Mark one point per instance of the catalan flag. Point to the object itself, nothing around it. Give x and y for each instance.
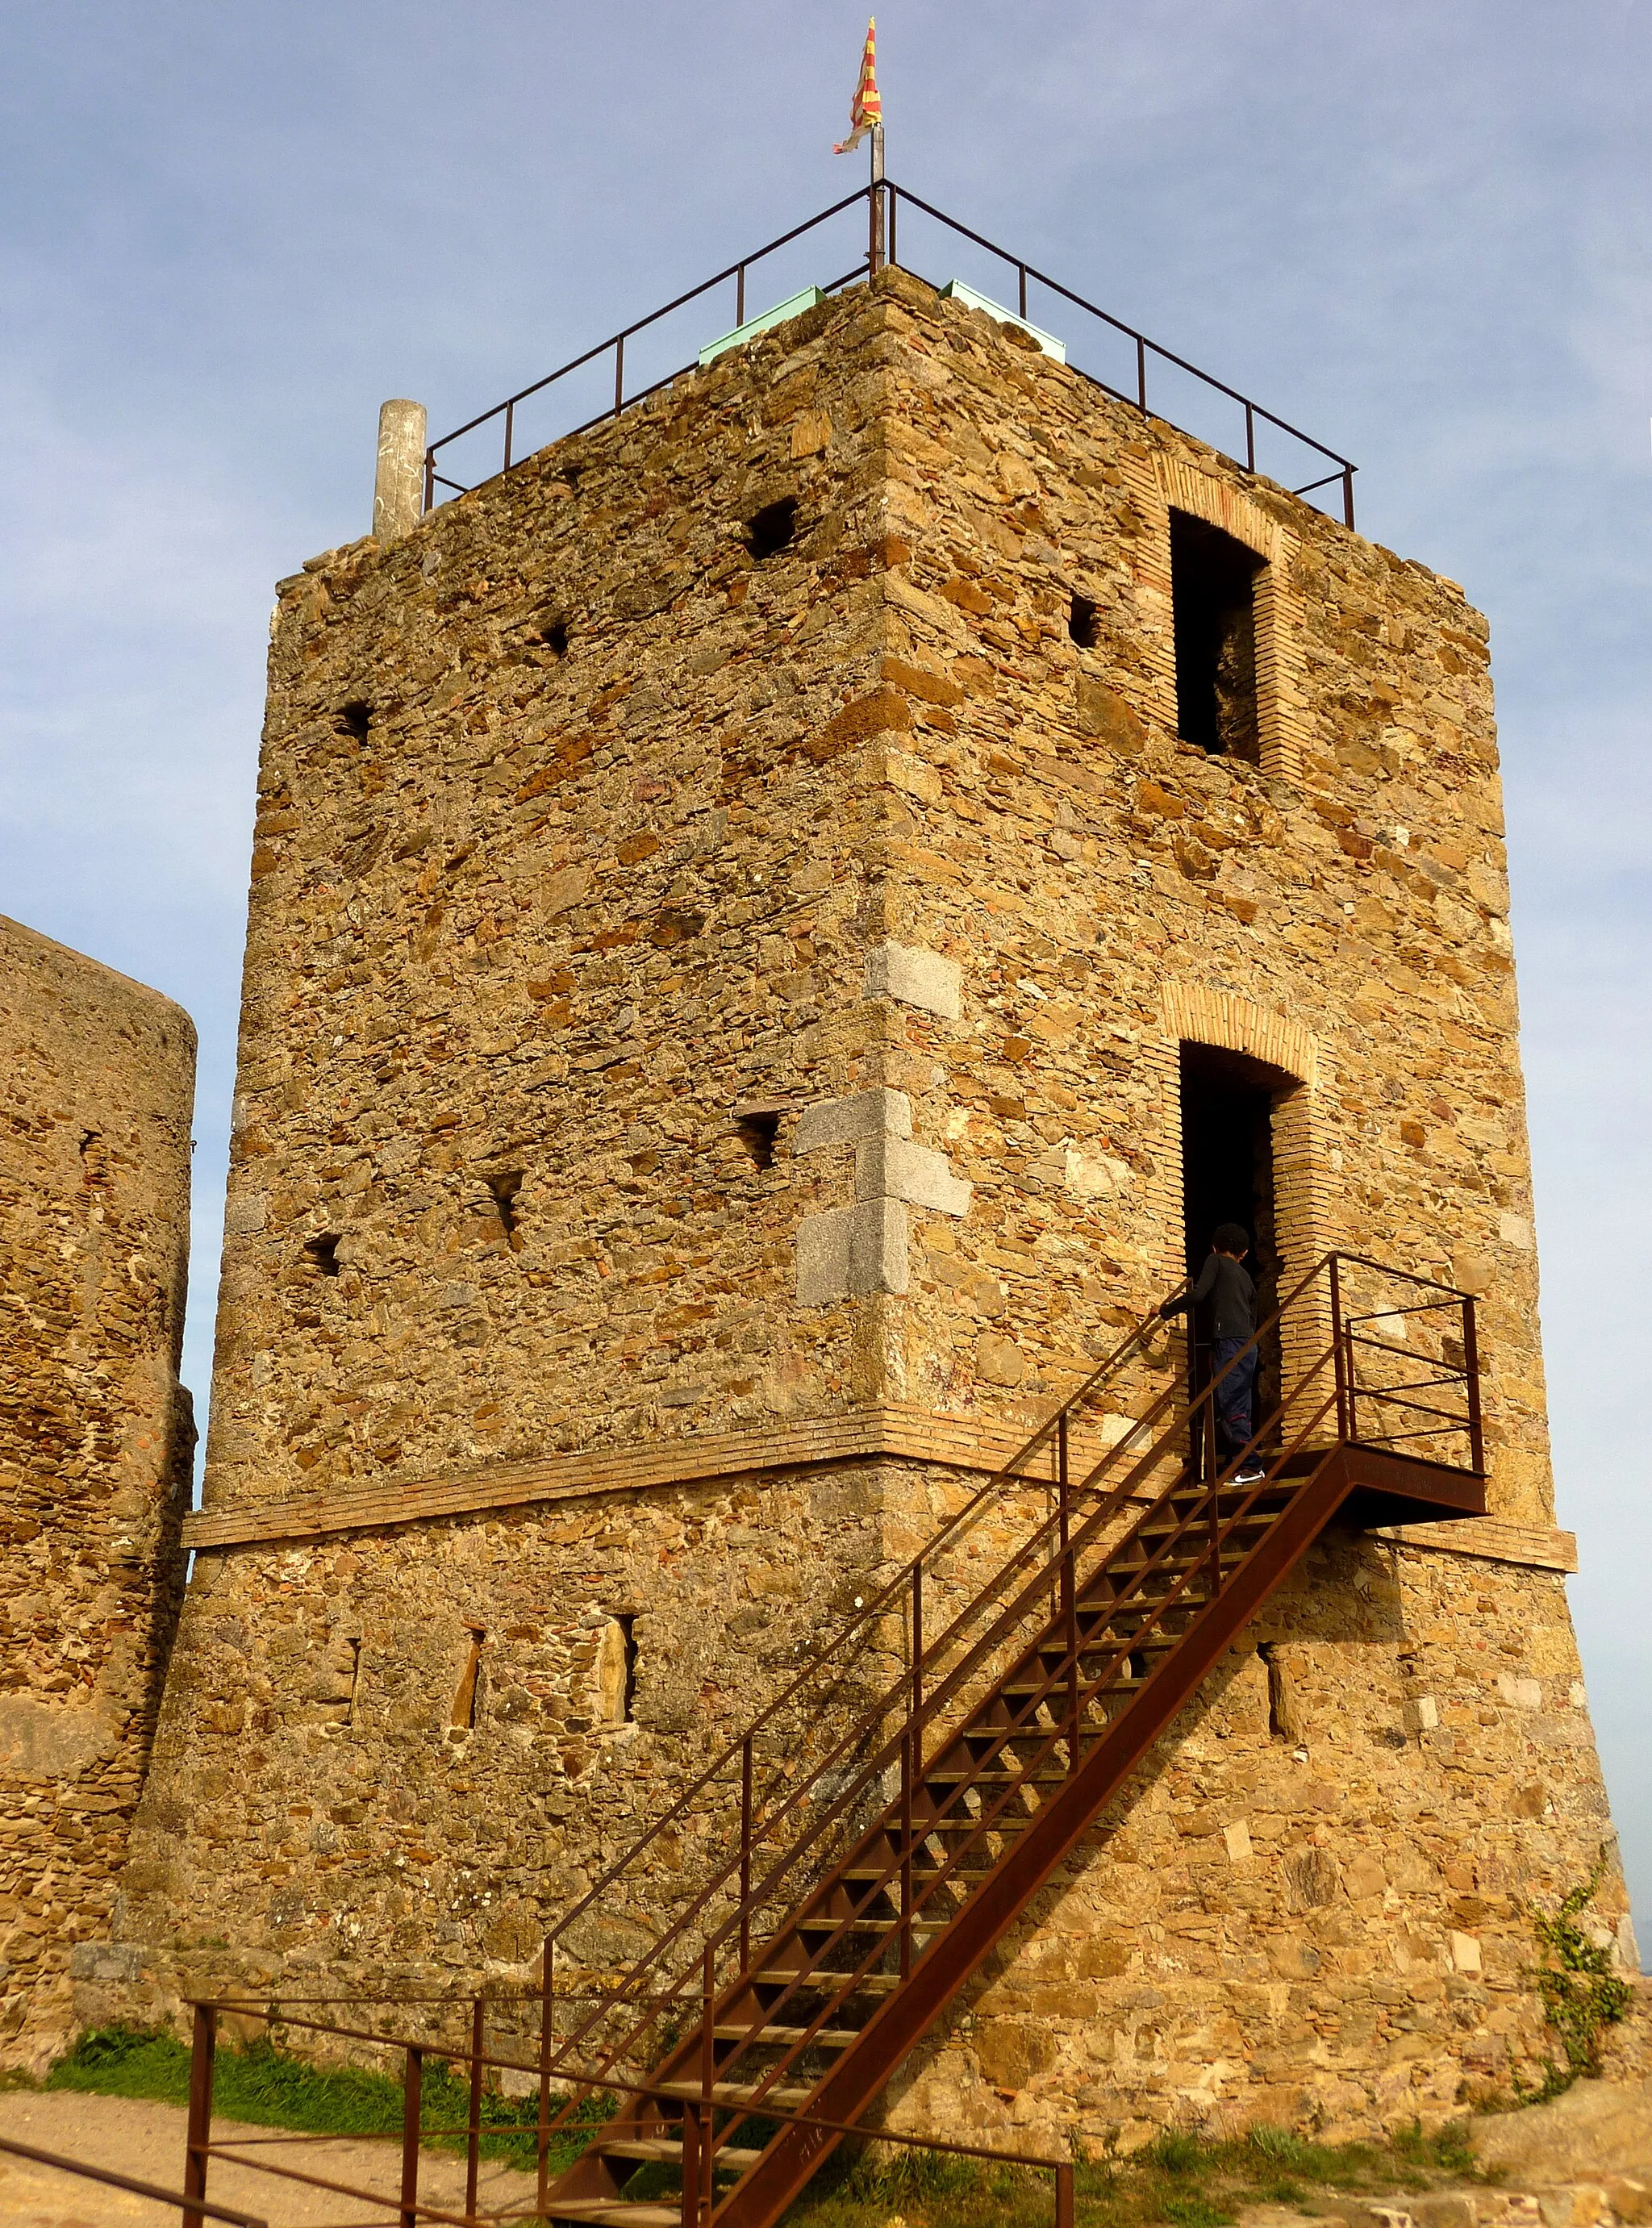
(866, 110)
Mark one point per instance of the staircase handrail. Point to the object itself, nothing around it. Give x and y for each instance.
(1021, 1725)
(865, 1618)
(754, 1895)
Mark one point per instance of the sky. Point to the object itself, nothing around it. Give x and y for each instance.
(1419, 232)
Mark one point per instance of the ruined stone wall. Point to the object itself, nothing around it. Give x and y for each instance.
(97, 1078)
(695, 1001)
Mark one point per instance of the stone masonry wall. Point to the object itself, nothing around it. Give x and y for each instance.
(691, 994)
(95, 1439)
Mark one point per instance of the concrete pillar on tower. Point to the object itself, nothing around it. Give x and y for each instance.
(399, 483)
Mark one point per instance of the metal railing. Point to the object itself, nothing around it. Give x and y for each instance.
(404, 2207)
(884, 202)
(193, 2206)
(1381, 1361)
(785, 1835)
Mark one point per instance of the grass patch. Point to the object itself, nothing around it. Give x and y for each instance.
(1179, 2179)
(270, 2088)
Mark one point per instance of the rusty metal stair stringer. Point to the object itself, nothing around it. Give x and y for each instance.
(844, 2092)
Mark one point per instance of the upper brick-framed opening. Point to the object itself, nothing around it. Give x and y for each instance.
(1276, 625)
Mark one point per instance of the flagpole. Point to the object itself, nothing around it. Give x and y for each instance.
(875, 256)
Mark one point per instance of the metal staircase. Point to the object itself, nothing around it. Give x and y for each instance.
(889, 1833)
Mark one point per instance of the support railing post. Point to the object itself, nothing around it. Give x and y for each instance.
(746, 1852)
(1471, 1371)
(473, 2131)
(740, 297)
(1250, 438)
(430, 479)
(1141, 374)
(1344, 1404)
(1348, 496)
(1069, 1591)
(542, 2134)
(875, 257)
(905, 1852)
(708, 2080)
(510, 421)
(619, 374)
(1065, 2214)
(1020, 269)
(691, 2164)
(412, 2082)
(1215, 1491)
(917, 1666)
(202, 2053)
(892, 196)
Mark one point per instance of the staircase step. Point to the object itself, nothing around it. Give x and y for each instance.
(828, 2038)
(989, 1776)
(823, 1978)
(737, 2092)
(657, 2150)
(614, 2213)
(868, 1926)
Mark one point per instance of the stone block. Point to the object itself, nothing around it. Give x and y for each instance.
(918, 978)
(1451, 2209)
(1465, 1952)
(878, 1255)
(893, 1167)
(879, 1113)
(1629, 2197)
(1576, 2205)
(108, 1964)
(1092, 1175)
(823, 1257)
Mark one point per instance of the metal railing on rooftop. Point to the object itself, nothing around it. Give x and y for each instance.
(884, 202)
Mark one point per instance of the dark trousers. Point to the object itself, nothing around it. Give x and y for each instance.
(1235, 1392)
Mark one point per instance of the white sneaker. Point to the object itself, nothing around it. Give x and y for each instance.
(1249, 1473)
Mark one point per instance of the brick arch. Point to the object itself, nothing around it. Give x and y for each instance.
(1196, 1014)
(1193, 1013)
(1220, 504)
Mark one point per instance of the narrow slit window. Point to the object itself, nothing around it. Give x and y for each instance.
(555, 638)
(465, 1699)
(354, 719)
(322, 1252)
(757, 1130)
(617, 1671)
(773, 527)
(1283, 1722)
(1083, 621)
(503, 1188)
(1212, 589)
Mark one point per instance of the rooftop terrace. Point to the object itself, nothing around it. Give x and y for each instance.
(624, 367)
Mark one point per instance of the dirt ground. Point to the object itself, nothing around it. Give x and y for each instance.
(146, 2140)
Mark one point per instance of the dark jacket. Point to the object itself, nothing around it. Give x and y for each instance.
(1226, 1283)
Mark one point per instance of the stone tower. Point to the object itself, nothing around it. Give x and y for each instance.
(97, 1076)
(773, 924)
